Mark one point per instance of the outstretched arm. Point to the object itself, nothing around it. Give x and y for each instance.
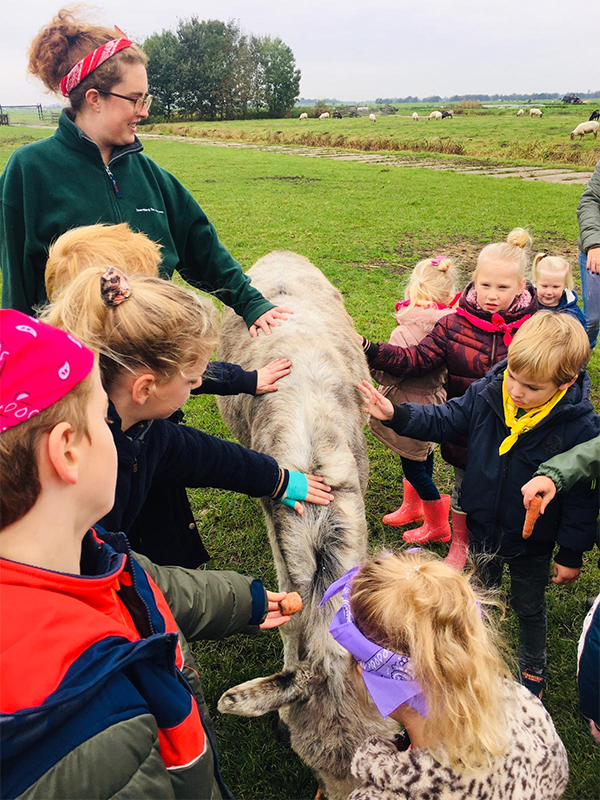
(435, 423)
(194, 459)
(223, 378)
(419, 359)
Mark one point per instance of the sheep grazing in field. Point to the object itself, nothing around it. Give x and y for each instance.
(372, 117)
(447, 115)
(535, 112)
(324, 115)
(435, 115)
(586, 127)
(304, 115)
(415, 116)
(595, 114)
(312, 423)
(521, 112)
(337, 115)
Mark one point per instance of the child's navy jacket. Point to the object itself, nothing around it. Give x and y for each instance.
(491, 490)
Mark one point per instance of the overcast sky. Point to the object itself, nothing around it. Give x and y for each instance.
(357, 50)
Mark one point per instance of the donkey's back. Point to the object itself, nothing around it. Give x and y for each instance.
(313, 424)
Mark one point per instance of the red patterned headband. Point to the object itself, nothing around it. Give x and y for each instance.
(91, 62)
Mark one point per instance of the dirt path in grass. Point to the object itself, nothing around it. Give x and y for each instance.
(548, 175)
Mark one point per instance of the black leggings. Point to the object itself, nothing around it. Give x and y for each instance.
(418, 474)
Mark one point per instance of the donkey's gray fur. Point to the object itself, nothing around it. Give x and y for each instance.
(313, 424)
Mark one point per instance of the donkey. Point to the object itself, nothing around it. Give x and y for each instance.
(314, 424)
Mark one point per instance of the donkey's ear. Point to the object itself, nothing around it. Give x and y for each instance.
(257, 697)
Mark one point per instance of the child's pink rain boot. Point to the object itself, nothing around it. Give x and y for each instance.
(457, 556)
(411, 509)
(436, 527)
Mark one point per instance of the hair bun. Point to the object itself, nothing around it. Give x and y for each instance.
(519, 237)
(62, 43)
(445, 264)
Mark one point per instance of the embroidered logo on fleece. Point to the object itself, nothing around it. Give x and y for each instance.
(155, 210)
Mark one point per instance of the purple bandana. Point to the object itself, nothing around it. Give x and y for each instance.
(388, 676)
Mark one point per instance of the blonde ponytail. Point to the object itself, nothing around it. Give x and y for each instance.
(553, 265)
(93, 245)
(161, 326)
(431, 281)
(514, 250)
(415, 604)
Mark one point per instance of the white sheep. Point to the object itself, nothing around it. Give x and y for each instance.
(415, 116)
(303, 116)
(586, 127)
(372, 117)
(520, 112)
(324, 115)
(535, 112)
(435, 115)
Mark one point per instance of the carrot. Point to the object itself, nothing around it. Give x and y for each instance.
(531, 516)
(291, 604)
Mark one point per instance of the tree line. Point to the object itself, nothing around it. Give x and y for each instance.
(207, 69)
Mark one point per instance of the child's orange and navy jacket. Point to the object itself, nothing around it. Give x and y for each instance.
(98, 691)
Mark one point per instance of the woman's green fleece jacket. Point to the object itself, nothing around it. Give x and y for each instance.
(61, 182)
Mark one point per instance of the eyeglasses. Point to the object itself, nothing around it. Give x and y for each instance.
(139, 103)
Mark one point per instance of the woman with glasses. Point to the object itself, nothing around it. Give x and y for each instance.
(93, 170)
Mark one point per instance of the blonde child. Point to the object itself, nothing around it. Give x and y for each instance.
(469, 342)
(154, 339)
(525, 408)
(134, 252)
(428, 657)
(553, 280)
(116, 705)
(427, 298)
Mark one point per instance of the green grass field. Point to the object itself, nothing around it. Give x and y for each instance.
(486, 134)
(364, 226)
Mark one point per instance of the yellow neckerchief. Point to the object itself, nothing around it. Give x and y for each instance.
(528, 421)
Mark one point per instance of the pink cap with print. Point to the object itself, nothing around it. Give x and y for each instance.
(39, 364)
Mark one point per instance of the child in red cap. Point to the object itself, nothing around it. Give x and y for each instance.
(113, 699)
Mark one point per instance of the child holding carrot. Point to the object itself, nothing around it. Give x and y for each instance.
(469, 342)
(429, 293)
(100, 695)
(523, 410)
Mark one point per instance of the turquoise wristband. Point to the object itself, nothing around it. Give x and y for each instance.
(297, 489)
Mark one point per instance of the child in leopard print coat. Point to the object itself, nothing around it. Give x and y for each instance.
(429, 659)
